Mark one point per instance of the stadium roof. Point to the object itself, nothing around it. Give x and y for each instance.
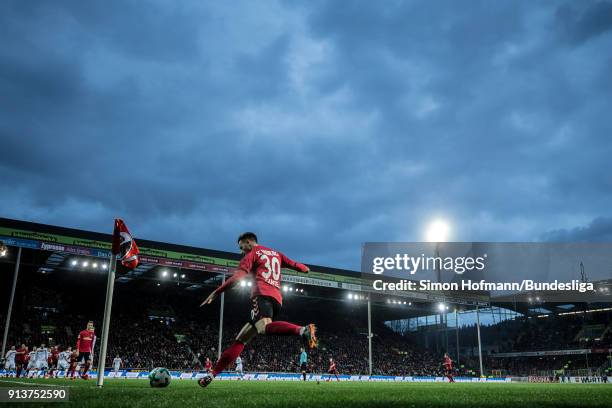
(204, 267)
(201, 268)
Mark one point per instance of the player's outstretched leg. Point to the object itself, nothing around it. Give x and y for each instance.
(227, 357)
(308, 332)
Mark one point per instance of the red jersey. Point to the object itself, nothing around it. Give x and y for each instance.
(208, 365)
(265, 264)
(21, 356)
(86, 341)
(53, 356)
(332, 367)
(448, 363)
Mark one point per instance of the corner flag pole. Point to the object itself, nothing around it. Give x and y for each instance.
(110, 285)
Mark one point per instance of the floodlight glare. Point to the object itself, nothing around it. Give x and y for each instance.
(441, 307)
(165, 273)
(242, 283)
(438, 231)
(74, 262)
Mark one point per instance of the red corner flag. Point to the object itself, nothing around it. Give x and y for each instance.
(124, 245)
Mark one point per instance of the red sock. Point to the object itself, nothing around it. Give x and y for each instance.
(227, 357)
(283, 329)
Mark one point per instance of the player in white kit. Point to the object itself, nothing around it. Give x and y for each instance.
(63, 361)
(9, 365)
(42, 359)
(31, 370)
(239, 366)
(116, 365)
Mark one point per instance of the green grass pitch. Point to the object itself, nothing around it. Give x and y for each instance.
(220, 394)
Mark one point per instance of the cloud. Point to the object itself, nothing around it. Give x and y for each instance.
(319, 125)
(598, 230)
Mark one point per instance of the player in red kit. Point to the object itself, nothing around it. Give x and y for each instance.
(332, 370)
(208, 365)
(263, 265)
(52, 360)
(21, 359)
(84, 348)
(448, 368)
(73, 365)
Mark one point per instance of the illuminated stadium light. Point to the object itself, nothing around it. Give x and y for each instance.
(301, 290)
(284, 288)
(3, 249)
(165, 273)
(438, 231)
(158, 284)
(85, 264)
(94, 265)
(350, 296)
(183, 276)
(249, 283)
(175, 275)
(409, 303)
(442, 307)
(74, 262)
(104, 266)
(242, 283)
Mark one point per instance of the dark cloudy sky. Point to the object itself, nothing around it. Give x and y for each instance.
(319, 125)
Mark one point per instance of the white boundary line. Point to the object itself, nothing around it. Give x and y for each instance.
(2, 380)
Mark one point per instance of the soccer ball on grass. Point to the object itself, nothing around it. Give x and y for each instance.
(159, 377)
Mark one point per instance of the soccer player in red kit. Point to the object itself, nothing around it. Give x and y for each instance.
(264, 265)
(332, 370)
(208, 365)
(21, 359)
(73, 365)
(448, 368)
(84, 348)
(52, 360)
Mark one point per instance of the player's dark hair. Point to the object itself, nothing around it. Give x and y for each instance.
(247, 235)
